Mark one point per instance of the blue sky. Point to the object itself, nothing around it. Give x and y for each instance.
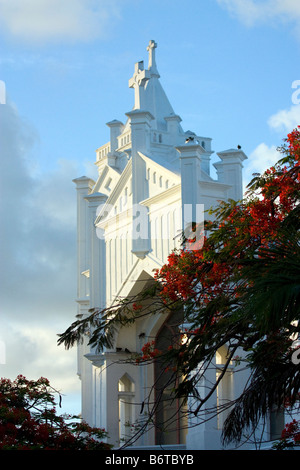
(228, 68)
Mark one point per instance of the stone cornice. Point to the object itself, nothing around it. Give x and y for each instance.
(97, 360)
(140, 115)
(83, 182)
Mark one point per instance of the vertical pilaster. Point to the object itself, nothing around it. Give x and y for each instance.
(190, 164)
(230, 171)
(140, 137)
(84, 186)
(115, 130)
(173, 126)
(97, 255)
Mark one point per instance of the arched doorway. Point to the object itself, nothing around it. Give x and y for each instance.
(155, 385)
(170, 416)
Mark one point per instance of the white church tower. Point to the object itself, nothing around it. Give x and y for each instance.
(129, 220)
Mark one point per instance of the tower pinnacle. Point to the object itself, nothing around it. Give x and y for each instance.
(152, 63)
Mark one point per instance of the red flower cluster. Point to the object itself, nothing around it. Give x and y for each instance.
(28, 420)
(240, 229)
(293, 140)
(292, 432)
(136, 306)
(149, 352)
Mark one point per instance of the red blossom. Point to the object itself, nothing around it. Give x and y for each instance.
(28, 420)
(149, 352)
(244, 228)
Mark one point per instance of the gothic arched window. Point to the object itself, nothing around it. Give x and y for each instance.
(126, 390)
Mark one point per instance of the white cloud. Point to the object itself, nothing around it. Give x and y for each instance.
(31, 350)
(38, 258)
(261, 158)
(252, 12)
(40, 21)
(285, 120)
(247, 11)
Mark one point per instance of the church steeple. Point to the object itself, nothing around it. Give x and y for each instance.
(148, 93)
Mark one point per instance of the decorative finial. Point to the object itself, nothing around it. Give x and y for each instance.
(152, 63)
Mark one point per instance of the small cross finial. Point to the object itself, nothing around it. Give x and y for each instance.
(152, 64)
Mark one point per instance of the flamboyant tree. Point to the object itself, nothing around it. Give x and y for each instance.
(239, 289)
(28, 420)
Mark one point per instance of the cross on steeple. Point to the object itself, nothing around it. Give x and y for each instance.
(152, 63)
(140, 77)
